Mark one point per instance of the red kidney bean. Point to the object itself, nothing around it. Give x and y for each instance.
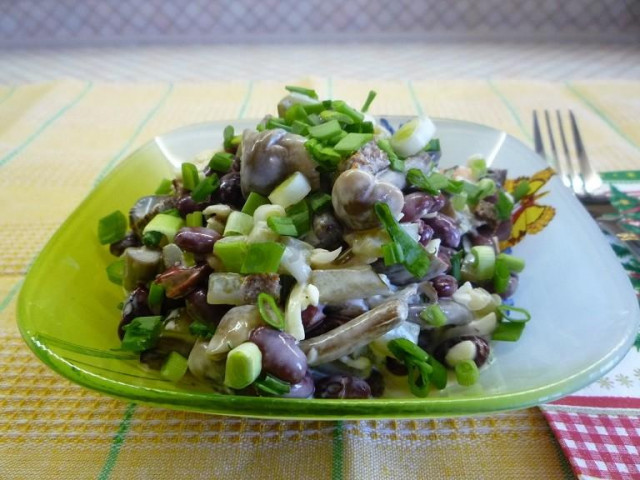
(425, 233)
(445, 228)
(230, 192)
(376, 383)
(136, 305)
(196, 239)
(327, 231)
(342, 386)
(395, 367)
(281, 356)
(200, 310)
(312, 317)
(130, 240)
(302, 389)
(445, 285)
(185, 204)
(512, 286)
(478, 239)
(503, 230)
(327, 324)
(419, 204)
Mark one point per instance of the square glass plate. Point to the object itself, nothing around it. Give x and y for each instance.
(585, 313)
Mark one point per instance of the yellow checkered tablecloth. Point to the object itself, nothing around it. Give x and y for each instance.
(57, 139)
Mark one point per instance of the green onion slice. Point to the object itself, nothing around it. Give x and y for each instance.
(395, 162)
(262, 258)
(194, 219)
(439, 375)
(155, 297)
(221, 161)
(302, 90)
(467, 373)
(419, 379)
(515, 264)
(456, 264)
(232, 254)
(504, 206)
(174, 367)
(520, 191)
(416, 260)
(254, 200)
(112, 228)
(190, 177)
(501, 276)
(434, 182)
(392, 254)
(508, 332)
(433, 315)
(407, 351)
(352, 142)
(272, 385)
(165, 187)
(367, 103)
(283, 226)
(228, 134)
(319, 201)
(141, 334)
(200, 329)
(325, 130)
(269, 311)
(205, 188)
(505, 313)
(115, 271)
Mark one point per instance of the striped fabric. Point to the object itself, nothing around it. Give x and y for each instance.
(57, 140)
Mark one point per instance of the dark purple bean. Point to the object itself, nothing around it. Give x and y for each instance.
(179, 282)
(376, 383)
(342, 386)
(129, 240)
(445, 285)
(482, 348)
(230, 191)
(235, 166)
(395, 367)
(478, 239)
(196, 239)
(512, 286)
(199, 310)
(302, 389)
(185, 204)
(498, 175)
(312, 317)
(445, 228)
(136, 305)
(419, 204)
(281, 356)
(327, 324)
(327, 231)
(503, 230)
(425, 233)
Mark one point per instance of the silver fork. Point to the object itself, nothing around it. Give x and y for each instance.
(583, 181)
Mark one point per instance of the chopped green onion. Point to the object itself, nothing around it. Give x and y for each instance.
(508, 332)
(367, 102)
(190, 177)
(433, 315)
(300, 216)
(478, 166)
(152, 239)
(515, 264)
(392, 254)
(228, 135)
(325, 130)
(395, 162)
(505, 311)
(433, 145)
(202, 330)
(439, 374)
(112, 228)
(406, 351)
(433, 183)
(501, 276)
(319, 201)
(300, 128)
(419, 379)
(275, 122)
(174, 212)
(231, 253)
(412, 136)
(352, 142)
(302, 90)
(263, 257)
(486, 187)
(504, 206)
(467, 373)
(366, 127)
(459, 201)
(282, 226)
(456, 264)
(155, 297)
(165, 187)
(328, 115)
(520, 191)
(314, 108)
(254, 200)
(416, 260)
(174, 367)
(292, 190)
(296, 113)
(194, 219)
(205, 188)
(342, 107)
(168, 225)
(326, 157)
(221, 162)
(244, 364)
(238, 223)
(484, 261)
(115, 271)
(269, 311)
(142, 333)
(272, 385)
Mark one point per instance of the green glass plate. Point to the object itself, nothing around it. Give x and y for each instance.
(582, 325)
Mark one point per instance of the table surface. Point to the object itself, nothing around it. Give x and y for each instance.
(67, 116)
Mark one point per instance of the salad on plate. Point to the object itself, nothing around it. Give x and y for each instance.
(322, 254)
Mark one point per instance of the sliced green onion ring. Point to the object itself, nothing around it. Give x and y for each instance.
(269, 311)
(505, 314)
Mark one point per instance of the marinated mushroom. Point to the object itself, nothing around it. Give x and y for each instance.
(234, 328)
(270, 156)
(146, 208)
(354, 194)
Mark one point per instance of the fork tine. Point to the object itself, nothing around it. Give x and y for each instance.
(554, 152)
(576, 181)
(537, 138)
(590, 179)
